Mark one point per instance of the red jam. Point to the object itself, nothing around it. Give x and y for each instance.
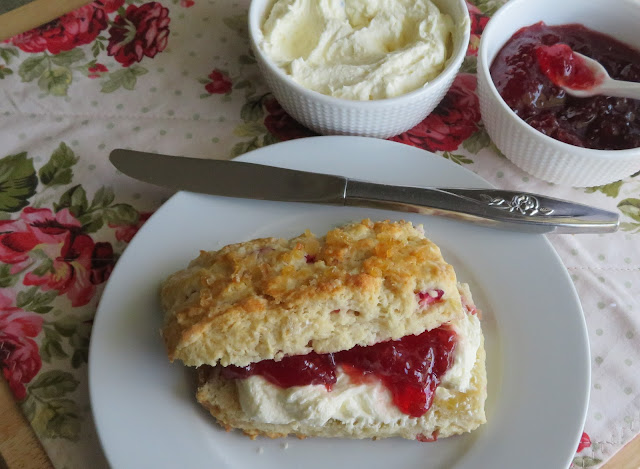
(427, 439)
(564, 68)
(599, 122)
(425, 299)
(298, 370)
(411, 368)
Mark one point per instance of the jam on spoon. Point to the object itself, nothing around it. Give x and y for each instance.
(564, 68)
(581, 76)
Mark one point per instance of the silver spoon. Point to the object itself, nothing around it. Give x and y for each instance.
(608, 86)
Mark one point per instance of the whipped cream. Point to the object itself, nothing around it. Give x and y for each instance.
(469, 335)
(358, 49)
(367, 403)
(364, 404)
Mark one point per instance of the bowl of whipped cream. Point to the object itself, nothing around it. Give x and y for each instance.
(359, 67)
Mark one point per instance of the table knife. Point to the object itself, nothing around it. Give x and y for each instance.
(512, 210)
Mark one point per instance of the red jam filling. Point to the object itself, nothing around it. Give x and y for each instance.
(564, 68)
(599, 122)
(298, 370)
(469, 307)
(425, 298)
(427, 439)
(411, 368)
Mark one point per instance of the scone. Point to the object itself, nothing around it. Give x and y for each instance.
(364, 333)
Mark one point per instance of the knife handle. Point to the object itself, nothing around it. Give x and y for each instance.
(514, 210)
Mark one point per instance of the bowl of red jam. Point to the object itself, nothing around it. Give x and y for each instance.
(527, 53)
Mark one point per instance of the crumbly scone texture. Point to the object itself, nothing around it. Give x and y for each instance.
(452, 412)
(263, 299)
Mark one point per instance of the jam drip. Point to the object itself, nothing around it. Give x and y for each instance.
(411, 368)
(599, 122)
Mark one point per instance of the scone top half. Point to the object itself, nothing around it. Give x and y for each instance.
(361, 284)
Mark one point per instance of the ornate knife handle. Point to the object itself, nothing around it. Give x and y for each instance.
(526, 204)
(520, 211)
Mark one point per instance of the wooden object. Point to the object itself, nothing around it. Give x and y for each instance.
(33, 14)
(627, 458)
(19, 445)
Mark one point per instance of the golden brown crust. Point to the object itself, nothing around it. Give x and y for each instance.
(269, 297)
(452, 412)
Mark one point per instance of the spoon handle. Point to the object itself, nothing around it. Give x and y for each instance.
(620, 89)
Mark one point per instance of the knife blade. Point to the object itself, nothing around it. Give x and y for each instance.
(512, 210)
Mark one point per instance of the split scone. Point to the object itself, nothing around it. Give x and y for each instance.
(364, 333)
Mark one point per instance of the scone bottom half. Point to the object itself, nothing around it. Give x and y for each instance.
(363, 286)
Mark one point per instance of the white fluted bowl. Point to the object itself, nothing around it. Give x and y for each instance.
(531, 150)
(377, 118)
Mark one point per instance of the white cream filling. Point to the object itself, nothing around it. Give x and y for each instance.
(368, 403)
(358, 49)
(469, 335)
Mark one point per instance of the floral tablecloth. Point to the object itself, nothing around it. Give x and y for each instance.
(178, 77)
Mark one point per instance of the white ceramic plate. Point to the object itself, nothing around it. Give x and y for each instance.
(538, 352)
